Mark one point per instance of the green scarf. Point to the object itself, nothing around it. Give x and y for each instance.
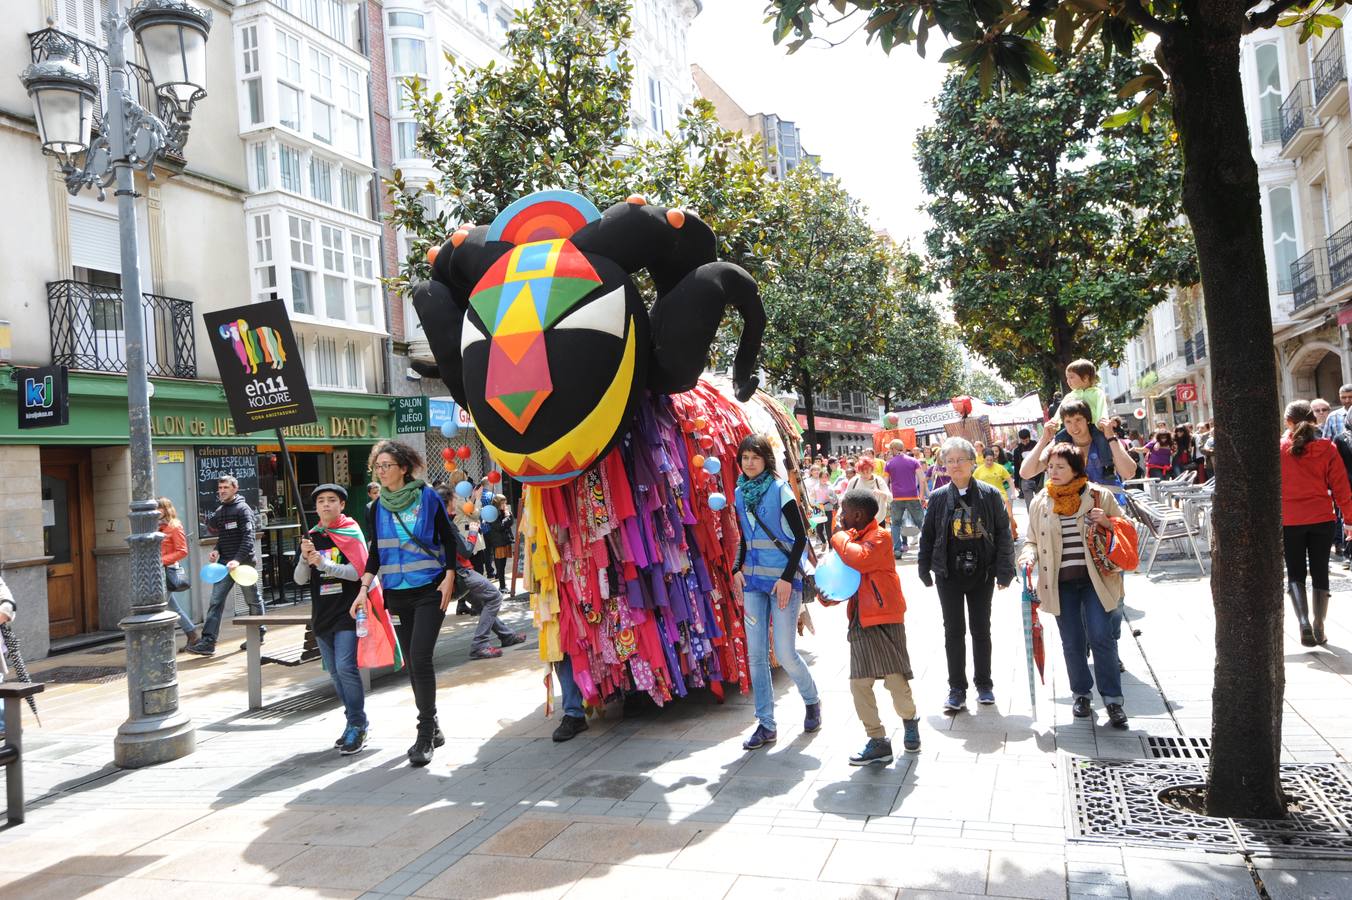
(753, 489)
(402, 499)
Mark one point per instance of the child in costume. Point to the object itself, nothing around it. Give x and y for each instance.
(877, 632)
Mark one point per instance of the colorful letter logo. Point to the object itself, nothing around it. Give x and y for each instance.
(38, 394)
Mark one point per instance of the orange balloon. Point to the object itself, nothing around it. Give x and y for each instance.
(467, 508)
(675, 218)
(431, 255)
(450, 464)
(697, 461)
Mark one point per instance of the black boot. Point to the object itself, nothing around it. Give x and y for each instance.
(1320, 608)
(420, 754)
(1302, 608)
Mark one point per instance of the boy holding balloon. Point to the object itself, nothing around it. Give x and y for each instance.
(877, 633)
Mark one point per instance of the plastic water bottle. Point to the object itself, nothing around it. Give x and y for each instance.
(361, 622)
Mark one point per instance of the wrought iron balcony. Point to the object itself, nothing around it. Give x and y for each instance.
(94, 60)
(1309, 279)
(1189, 352)
(1299, 122)
(1272, 129)
(1330, 70)
(1339, 249)
(1199, 345)
(88, 332)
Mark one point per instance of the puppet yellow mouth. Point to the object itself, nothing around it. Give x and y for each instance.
(568, 456)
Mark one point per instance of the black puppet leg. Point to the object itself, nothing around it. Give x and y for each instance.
(686, 319)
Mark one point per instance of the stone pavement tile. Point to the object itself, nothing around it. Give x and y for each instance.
(344, 868)
(1017, 874)
(732, 850)
(50, 885)
(863, 798)
(753, 887)
(748, 792)
(422, 829)
(674, 788)
(111, 857)
(932, 868)
(1154, 878)
(541, 754)
(635, 845)
(611, 882)
(1291, 879)
(241, 824)
(219, 862)
(636, 755)
(485, 877)
(523, 837)
(783, 762)
(610, 785)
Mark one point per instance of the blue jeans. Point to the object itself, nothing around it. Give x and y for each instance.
(219, 591)
(184, 621)
(479, 591)
(898, 513)
(339, 650)
(762, 611)
(572, 695)
(1084, 618)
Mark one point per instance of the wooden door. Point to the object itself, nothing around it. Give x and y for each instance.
(67, 535)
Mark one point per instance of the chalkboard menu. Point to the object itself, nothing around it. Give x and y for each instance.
(212, 463)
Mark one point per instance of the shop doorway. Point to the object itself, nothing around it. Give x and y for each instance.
(68, 538)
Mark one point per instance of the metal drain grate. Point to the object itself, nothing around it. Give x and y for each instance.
(81, 675)
(1117, 801)
(1177, 747)
(307, 702)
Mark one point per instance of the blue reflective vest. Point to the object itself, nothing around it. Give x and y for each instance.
(404, 563)
(764, 563)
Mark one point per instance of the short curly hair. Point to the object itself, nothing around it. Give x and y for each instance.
(406, 457)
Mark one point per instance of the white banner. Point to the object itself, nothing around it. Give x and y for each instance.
(928, 419)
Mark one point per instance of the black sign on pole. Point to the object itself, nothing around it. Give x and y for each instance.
(44, 397)
(410, 415)
(260, 365)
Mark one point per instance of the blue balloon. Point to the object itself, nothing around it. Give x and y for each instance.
(835, 579)
(450, 429)
(214, 572)
(712, 465)
(717, 501)
(463, 490)
(489, 514)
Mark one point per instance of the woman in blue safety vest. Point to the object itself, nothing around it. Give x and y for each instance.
(773, 537)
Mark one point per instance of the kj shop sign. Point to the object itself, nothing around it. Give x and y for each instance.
(260, 365)
(44, 397)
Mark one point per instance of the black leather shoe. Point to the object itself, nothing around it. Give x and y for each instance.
(1082, 709)
(1117, 716)
(438, 739)
(420, 754)
(569, 728)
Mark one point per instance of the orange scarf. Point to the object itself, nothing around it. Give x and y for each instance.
(1066, 497)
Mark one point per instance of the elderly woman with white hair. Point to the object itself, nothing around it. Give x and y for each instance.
(966, 548)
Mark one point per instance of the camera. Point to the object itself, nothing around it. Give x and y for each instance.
(967, 563)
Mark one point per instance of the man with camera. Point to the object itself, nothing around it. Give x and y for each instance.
(966, 548)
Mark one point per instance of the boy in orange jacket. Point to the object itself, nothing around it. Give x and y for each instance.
(877, 631)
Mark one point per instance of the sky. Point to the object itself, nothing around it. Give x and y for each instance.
(857, 108)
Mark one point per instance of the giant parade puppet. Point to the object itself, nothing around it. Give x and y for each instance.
(595, 402)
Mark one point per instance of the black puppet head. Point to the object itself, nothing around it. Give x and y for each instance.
(539, 331)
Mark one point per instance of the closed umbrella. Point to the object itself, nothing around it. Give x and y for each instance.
(1032, 635)
(15, 660)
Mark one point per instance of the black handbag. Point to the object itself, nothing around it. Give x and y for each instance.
(175, 579)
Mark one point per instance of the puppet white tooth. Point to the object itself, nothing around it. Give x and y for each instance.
(604, 314)
(469, 334)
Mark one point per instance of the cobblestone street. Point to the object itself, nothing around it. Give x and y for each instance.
(266, 808)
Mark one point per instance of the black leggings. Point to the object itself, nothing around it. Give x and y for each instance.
(1314, 541)
(967, 609)
(420, 617)
(502, 569)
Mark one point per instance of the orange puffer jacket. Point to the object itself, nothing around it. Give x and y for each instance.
(870, 553)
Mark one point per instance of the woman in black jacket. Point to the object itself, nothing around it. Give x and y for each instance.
(966, 548)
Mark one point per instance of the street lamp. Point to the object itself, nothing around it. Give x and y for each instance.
(172, 35)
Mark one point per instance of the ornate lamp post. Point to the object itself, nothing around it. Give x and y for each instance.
(173, 35)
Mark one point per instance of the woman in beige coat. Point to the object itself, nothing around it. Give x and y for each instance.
(1087, 605)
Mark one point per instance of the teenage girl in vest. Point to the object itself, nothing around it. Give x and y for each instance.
(771, 545)
(413, 549)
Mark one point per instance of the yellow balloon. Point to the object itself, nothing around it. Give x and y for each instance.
(244, 575)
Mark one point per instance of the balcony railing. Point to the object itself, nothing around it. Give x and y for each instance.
(1297, 111)
(1309, 279)
(1272, 129)
(1199, 345)
(1329, 68)
(1189, 352)
(94, 60)
(1339, 249)
(88, 332)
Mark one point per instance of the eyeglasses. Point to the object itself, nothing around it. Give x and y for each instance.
(381, 467)
(958, 461)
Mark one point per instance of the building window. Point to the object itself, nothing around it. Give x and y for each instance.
(321, 73)
(500, 25)
(406, 20)
(655, 105)
(1268, 59)
(350, 84)
(248, 42)
(258, 166)
(409, 56)
(1283, 217)
(406, 140)
(288, 57)
(302, 264)
(363, 269)
(288, 103)
(352, 367)
(332, 240)
(349, 134)
(322, 125)
(483, 14)
(265, 273)
(366, 301)
(321, 179)
(352, 191)
(335, 285)
(324, 362)
(253, 88)
(288, 159)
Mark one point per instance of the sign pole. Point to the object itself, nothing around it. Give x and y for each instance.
(295, 485)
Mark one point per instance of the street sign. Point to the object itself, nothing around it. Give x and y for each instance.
(410, 415)
(44, 397)
(260, 365)
(1186, 393)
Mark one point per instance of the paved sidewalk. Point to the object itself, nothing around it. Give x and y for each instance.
(265, 807)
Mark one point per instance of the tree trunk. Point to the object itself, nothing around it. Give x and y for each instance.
(1220, 195)
(809, 407)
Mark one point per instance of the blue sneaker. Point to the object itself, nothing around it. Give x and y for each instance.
(957, 700)
(761, 737)
(877, 751)
(985, 696)
(813, 720)
(354, 741)
(911, 739)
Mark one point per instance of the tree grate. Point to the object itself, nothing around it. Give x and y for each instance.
(1117, 801)
(1177, 747)
(81, 674)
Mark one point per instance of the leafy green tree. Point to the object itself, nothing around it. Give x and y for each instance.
(1055, 236)
(984, 386)
(1196, 83)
